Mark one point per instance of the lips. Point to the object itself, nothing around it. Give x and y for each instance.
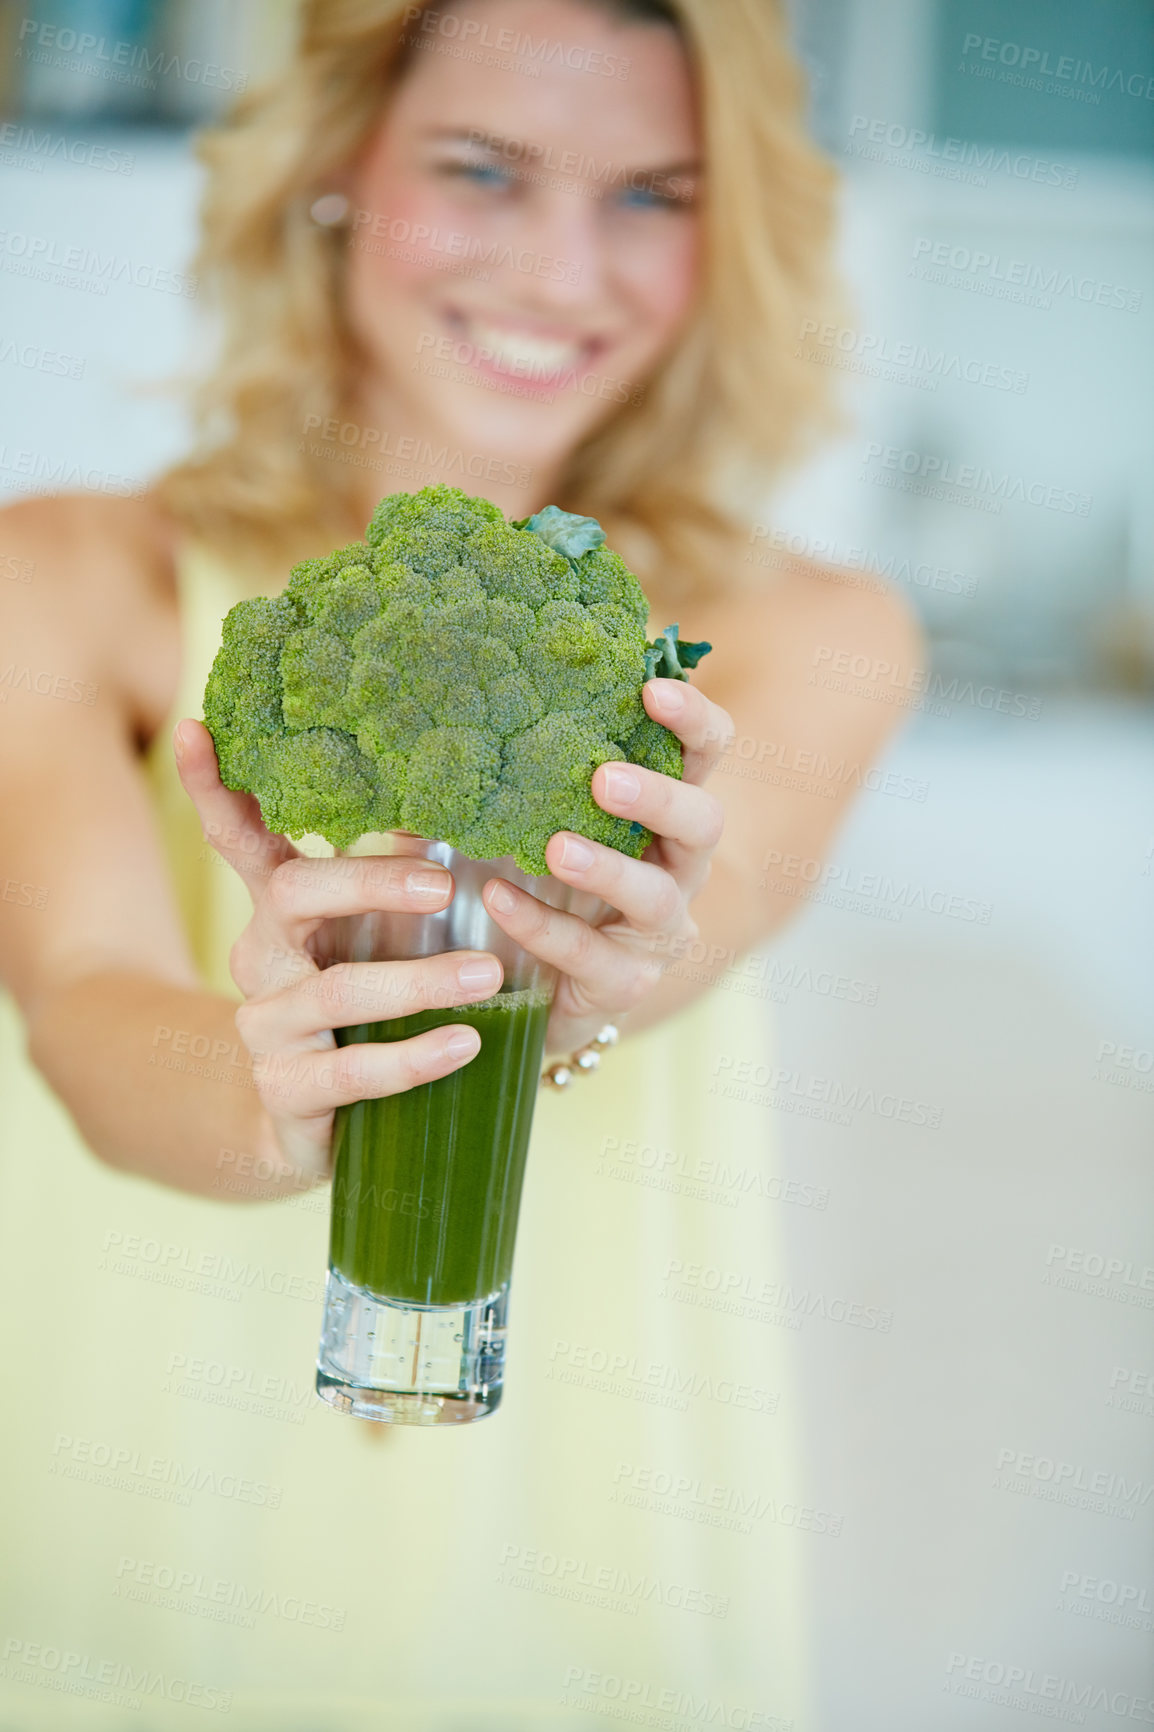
(537, 356)
(519, 352)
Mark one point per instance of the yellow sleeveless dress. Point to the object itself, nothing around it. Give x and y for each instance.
(187, 1534)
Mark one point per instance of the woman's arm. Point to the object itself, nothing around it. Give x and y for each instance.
(801, 744)
(155, 1070)
(804, 739)
(91, 945)
(158, 1073)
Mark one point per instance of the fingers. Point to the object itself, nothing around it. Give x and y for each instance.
(650, 898)
(681, 811)
(687, 818)
(702, 726)
(608, 974)
(302, 892)
(349, 993)
(306, 1085)
(231, 821)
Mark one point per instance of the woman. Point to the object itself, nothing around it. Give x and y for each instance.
(553, 251)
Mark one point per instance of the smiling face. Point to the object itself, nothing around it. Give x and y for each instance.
(525, 235)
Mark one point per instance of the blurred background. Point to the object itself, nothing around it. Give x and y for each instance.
(992, 898)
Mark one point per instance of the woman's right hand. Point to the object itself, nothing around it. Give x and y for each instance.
(295, 995)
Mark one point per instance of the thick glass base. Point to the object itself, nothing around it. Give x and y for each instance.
(410, 1364)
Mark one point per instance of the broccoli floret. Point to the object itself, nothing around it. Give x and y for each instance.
(452, 674)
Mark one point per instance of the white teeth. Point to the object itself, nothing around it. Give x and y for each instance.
(517, 353)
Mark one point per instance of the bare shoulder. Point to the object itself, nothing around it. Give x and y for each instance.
(89, 580)
(802, 602)
(804, 736)
(830, 638)
(845, 612)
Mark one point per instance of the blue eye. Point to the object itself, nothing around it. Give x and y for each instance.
(645, 198)
(482, 173)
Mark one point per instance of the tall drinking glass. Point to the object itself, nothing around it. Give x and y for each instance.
(427, 1183)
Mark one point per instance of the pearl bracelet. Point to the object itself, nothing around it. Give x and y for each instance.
(559, 1075)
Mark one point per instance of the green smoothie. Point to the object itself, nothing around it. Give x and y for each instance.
(427, 1184)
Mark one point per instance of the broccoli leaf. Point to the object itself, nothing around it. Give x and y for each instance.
(667, 659)
(566, 531)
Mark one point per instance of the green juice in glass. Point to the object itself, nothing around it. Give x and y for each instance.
(427, 1184)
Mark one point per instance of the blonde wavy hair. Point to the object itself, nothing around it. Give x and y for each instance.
(674, 477)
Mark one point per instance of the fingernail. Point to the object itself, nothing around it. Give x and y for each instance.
(624, 785)
(178, 742)
(430, 885)
(464, 1041)
(501, 897)
(479, 972)
(668, 696)
(576, 853)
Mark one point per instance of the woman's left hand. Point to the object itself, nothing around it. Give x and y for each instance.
(609, 968)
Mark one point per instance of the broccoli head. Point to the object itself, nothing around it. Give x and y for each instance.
(453, 674)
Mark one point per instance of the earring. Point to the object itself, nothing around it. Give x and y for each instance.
(330, 210)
